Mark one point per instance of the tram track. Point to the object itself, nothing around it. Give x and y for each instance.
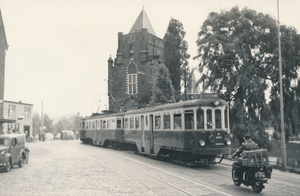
(157, 173)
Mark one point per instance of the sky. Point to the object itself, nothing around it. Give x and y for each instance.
(58, 49)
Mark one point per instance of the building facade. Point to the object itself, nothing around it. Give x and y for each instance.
(131, 73)
(14, 116)
(3, 48)
(20, 116)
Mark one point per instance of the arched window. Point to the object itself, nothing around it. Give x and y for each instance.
(132, 79)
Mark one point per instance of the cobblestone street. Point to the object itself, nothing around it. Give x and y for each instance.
(65, 171)
(71, 168)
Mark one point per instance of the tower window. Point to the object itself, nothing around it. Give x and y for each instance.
(132, 83)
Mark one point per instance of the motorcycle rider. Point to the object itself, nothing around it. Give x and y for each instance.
(247, 145)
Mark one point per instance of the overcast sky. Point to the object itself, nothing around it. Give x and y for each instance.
(58, 49)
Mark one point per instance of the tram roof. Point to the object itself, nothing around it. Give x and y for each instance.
(182, 104)
(206, 101)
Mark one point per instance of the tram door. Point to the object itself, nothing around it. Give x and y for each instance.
(151, 135)
(143, 135)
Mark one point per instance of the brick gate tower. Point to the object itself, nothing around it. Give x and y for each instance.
(131, 73)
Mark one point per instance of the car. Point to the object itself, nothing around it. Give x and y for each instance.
(67, 135)
(13, 150)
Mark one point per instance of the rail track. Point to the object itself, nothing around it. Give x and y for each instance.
(182, 180)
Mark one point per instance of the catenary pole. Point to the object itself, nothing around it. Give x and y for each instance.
(283, 146)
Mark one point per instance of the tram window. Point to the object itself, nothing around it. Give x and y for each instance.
(209, 119)
(126, 123)
(93, 124)
(200, 119)
(157, 122)
(167, 122)
(87, 125)
(131, 123)
(177, 121)
(226, 117)
(137, 122)
(146, 120)
(119, 123)
(104, 124)
(218, 119)
(90, 127)
(108, 123)
(189, 119)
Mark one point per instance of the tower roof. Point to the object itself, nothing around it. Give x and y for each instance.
(142, 22)
(2, 33)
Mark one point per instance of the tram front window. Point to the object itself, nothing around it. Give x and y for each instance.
(209, 119)
(189, 119)
(218, 119)
(200, 119)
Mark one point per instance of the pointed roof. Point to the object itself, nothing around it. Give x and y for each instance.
(142, 22)
(2, 33)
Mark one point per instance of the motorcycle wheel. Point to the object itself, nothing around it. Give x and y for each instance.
(236, 180)
(257, 186)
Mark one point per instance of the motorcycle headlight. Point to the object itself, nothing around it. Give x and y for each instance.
(202, 142)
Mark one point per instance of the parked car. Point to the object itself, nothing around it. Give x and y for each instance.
(67, 135)
(13, 150)
(58, 136)
(48, 136)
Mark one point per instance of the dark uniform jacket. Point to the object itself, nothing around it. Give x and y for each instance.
(247, 145)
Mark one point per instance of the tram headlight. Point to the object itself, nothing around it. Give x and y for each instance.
(228, 142)
(3, 152)
(202, 142)
(216, 102)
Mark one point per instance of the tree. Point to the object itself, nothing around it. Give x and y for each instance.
(290, 48)
(238, 52)
(175, 53)
(48, 123)
(76, 125)
(163, 91)
(36, 124)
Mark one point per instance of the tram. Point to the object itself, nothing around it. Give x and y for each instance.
(191, 132)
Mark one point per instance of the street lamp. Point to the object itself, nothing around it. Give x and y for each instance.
(283, 147)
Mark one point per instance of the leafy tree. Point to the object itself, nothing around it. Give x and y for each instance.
(76, 125)
(163, 91)
(238, 52)
(290, 48)
(36, 124)
(48, 123)
(175, 53)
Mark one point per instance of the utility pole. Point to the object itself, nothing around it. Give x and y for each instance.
(283, 147)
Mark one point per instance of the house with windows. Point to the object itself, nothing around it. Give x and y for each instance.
(131, 73)
(19, 117)
(14, 116)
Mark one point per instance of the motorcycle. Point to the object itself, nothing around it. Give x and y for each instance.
(251, 173)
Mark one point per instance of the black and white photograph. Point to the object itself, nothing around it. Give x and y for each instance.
(149, 97)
